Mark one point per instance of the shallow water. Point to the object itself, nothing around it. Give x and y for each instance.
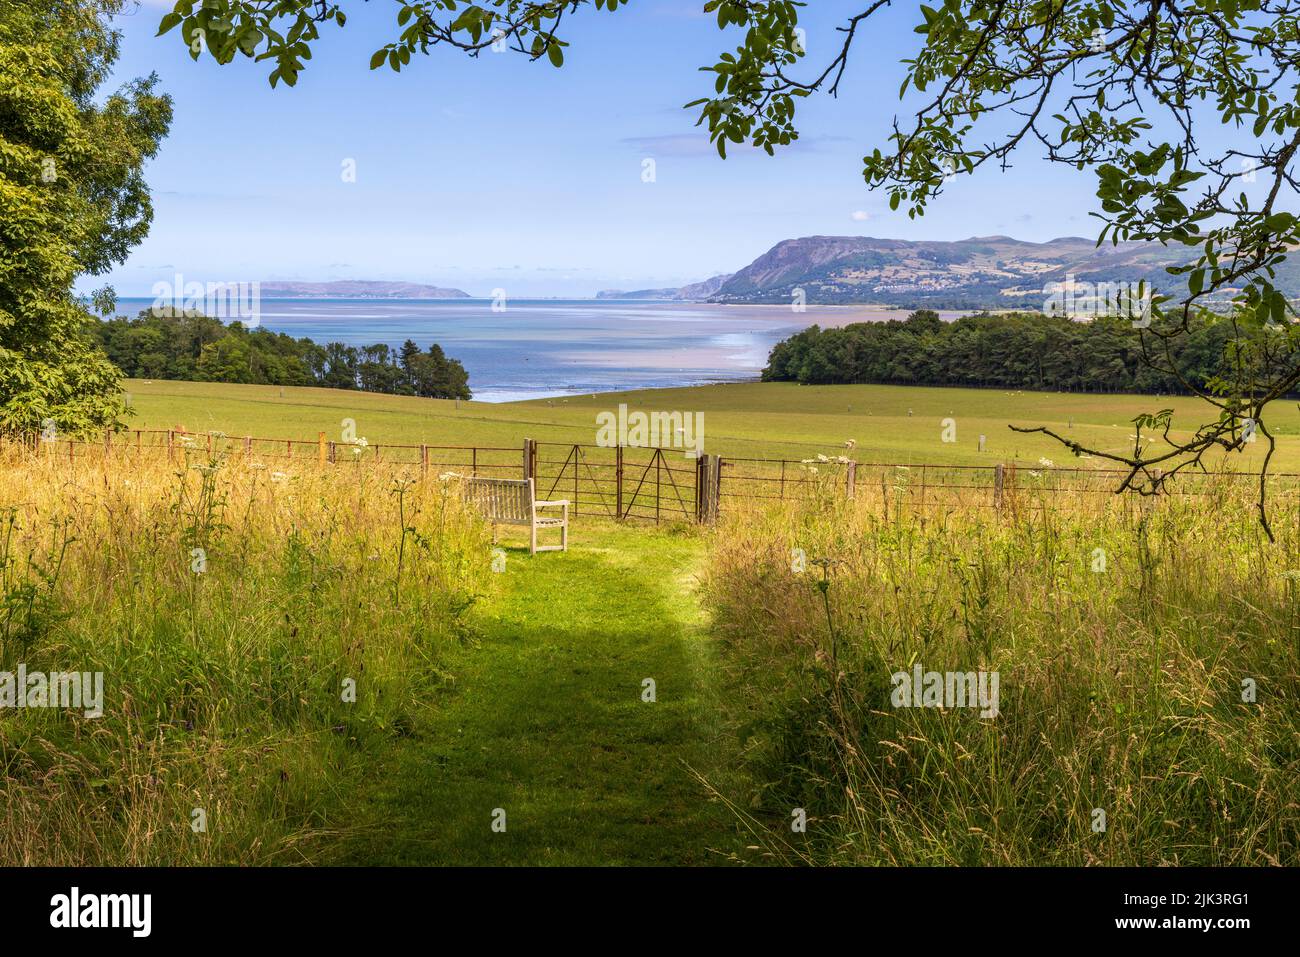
(539, 348)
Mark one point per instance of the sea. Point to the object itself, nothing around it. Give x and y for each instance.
(543, 348)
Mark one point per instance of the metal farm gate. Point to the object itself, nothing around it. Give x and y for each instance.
(650, 484)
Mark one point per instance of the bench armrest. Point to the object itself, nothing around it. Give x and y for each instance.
(556, 504)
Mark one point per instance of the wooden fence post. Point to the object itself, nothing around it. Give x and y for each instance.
(424, 459)
(715, 486)
(530, 460)
(850, 480)
(716, 482)
(618, 480)
(320, 448)
(701, 488)
(998, 482)
(659, 479)
(171, 445)
(708, 481)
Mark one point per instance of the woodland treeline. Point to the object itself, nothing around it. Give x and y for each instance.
(166, 344)
(1006, 350)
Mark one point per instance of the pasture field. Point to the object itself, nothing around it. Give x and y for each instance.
(768, 419)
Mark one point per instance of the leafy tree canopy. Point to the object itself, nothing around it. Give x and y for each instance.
(166, 343)
(73, 201)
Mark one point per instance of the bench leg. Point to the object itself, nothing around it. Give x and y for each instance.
(564, 536)
(532, 538)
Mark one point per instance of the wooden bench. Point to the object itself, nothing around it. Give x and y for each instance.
(512, 502)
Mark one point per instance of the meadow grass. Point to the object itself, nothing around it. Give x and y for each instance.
(1121, 688)
(230, 602)
(228, 607)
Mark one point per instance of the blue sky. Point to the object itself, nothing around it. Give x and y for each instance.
(500, 173)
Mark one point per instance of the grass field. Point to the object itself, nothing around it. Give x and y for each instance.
(773, 420)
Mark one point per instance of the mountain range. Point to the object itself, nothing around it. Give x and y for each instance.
(695, 292)
(984, 272)
(357, 289)
(987, 272)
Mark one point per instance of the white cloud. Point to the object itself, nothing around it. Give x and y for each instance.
(861, 215)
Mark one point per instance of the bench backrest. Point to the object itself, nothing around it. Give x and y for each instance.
(502, 500)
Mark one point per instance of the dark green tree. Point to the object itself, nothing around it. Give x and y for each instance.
(73, 202)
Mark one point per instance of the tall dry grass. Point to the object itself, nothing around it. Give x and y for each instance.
(1121, 690)
(224, 678)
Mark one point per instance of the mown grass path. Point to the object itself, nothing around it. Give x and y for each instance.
(543, 717)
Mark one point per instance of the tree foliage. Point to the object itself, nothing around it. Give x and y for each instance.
(73, 201)
(1006, 350)
(166, 344)
(282, 31)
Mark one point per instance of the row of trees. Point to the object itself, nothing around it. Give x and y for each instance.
(170, 345)
(1014, 350)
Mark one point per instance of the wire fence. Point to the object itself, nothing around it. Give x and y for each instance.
(656, 484)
